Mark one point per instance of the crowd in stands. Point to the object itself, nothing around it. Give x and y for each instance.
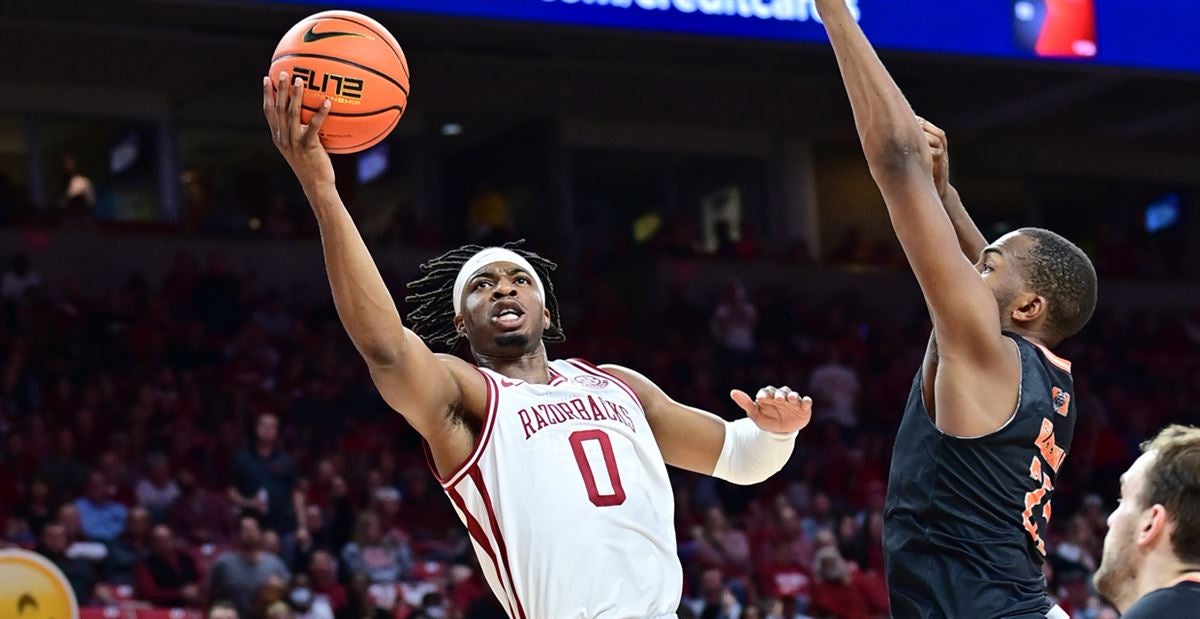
(204, 442)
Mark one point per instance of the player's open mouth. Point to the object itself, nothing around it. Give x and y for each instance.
(508, 315)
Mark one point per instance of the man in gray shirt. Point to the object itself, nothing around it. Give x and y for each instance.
(238, 575)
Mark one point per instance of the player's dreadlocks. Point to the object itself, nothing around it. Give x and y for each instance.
(433, 294)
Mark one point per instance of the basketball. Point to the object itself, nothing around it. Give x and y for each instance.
(354, 62)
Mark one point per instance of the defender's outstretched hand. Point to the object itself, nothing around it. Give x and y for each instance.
(776, 410)
(940, 148)
(299, 144)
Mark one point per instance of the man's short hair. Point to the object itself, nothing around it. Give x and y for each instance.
(1062, 273)
(1173, 481)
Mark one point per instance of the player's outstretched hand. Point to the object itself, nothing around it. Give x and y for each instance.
(940, 148)
(776, 410)
(299, 144)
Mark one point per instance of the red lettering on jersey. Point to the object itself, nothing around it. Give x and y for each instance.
(580, 410)
(593, 409)
(552, 413)
(597, 409)
(612, 411)
(1053, 454)
(526, 423)
(625, 418)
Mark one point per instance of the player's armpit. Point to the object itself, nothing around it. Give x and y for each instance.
(429, 391)
(971, 400)
(689, 438)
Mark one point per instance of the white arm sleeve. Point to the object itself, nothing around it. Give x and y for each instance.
(751, 455)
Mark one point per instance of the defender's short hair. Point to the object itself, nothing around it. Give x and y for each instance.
(1062, 273)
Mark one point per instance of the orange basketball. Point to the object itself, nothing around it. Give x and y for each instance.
(354, 62)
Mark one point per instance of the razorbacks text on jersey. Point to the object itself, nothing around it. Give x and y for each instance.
(567, 501)
(965, 519)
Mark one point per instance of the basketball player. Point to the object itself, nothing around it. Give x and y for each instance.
(1151, 564)
(557, 468)
(990, 414)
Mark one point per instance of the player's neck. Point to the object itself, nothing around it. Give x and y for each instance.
(1163, 572)
(532, 367)
(1191, 574)
(1028, 334)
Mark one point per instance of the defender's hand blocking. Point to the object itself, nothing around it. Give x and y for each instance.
(776, 410)
(940, 147)
(299, 144)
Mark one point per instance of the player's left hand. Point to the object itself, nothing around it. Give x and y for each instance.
(776, 410)
(939, 146)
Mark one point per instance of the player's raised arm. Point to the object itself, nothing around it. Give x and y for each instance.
(744, 452)
(966, 317)
(408, 375)
(970, 239)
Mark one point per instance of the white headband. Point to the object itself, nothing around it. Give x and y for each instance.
(489, 256)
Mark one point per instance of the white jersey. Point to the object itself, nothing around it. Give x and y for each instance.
(567, 500)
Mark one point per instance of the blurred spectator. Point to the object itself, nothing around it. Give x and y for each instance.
(722, 546)
(238, 575)
(836, 386)
(264, 481)
(782, 577)
(465, 587)
(168, 575)
(733, 323)
(305, 604)
(62, 469)
(272, 317)
(1079, 552)
(322, 572)
(223, 609)
(129, 549)
(79, 195)
(271, 600)
(79, 573)
(1077, 599)
(19, 279)
(157, 491)
(841, 592)
(39, 509)
(714, 600)
(100, 517)
(821, 517)
(200, 514)
(383, 558)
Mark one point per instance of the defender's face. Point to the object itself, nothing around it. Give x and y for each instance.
(1001, 266)
(502, 310)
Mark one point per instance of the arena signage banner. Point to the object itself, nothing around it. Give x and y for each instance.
(1151, 34)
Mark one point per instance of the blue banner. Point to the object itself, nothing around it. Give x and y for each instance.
(1152, 34)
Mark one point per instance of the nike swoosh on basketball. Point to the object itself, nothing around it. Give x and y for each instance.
(310, 35)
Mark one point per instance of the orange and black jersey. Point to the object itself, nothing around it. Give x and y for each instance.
(1181, 601)
(965, 520)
